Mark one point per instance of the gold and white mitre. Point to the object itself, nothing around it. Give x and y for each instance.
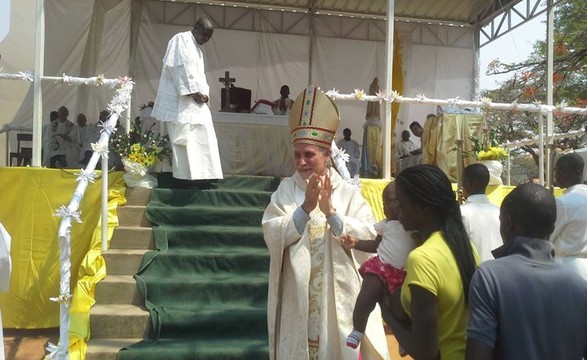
(313, 118)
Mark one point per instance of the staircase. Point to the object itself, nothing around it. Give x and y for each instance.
(206, 286)
(119, 318)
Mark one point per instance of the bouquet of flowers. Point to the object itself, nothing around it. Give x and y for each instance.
(142, 148)
(139, 151)
(486, 147)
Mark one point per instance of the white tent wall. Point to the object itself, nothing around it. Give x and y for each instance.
(262, 49)
(17, 50)
(96, 40)
(438, 62)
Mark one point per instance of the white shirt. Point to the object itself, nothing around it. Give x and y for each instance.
(570, 229)
(183, 74)
(350, 147)
(481, 220)
(396, 243)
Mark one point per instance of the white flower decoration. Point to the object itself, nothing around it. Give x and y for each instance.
(62, 299)
(65, 212)
(100, 80)
(359, 94)
(383, 96)
(486, 101)
(108, 128)
(454, 101)
(27, 75)
(338, 153)
(67, 79)
(89, 176)
(101, 149)
(421, 97)
(332, 93)
(395, 95)
(55, 352)
(561, 105)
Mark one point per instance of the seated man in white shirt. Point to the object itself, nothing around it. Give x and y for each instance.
(570, 230)
(480, 217)
(282, 106)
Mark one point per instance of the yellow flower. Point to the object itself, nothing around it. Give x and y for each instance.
(493, 153)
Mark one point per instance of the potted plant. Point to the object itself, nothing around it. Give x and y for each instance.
(139, 152)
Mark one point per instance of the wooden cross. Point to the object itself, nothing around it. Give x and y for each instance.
(227, 81)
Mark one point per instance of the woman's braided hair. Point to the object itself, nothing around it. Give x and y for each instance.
(429, 186)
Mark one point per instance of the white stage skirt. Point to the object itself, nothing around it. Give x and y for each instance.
(253, 144)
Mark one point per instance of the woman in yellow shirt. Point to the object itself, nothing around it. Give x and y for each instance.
(432, 320)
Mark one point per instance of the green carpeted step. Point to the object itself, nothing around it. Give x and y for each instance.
(261, 183)
(248, 346)
(228, 288)
(224, 321)
(206, 286)
(191, 237)
(205, 215)
(218, 197)
(210, 261)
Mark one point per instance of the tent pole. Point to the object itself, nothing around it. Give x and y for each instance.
(549, 83)
(386, 123)
(37, 85)
(311, 50)
(541, 148)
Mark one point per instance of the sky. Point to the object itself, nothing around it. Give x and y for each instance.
(514, 46)
(4, 18)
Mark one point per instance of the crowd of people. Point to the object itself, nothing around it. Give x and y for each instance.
(453, 281)
(67, 144)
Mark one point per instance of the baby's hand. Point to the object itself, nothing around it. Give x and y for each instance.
(349, 242)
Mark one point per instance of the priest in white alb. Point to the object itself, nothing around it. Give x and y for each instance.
(182, 104)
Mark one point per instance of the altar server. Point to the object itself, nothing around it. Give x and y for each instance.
(182, 104)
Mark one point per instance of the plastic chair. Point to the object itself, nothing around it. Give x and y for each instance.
(23, 155)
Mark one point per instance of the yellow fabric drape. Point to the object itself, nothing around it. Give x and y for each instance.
(439, 148)
(29, 198)
(92, 270)
(372, 190)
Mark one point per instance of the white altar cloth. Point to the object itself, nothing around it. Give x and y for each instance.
(253, 144)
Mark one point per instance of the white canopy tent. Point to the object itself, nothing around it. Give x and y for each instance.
(264, 44)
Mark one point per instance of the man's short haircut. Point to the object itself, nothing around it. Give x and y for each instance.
(477, 175)
(533, 208)
(347, 131)
(571, 162)
(204, 26)
(415, 123)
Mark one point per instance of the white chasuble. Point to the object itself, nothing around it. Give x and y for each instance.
(313, 282)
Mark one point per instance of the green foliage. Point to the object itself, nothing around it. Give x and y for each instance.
(143, 148)
(528, 82)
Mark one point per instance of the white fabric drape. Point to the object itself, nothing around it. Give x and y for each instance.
(114, 38)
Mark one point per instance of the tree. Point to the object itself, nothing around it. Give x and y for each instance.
(528, 81)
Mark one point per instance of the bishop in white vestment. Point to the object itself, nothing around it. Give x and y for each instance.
(182, 104)
(313, 281)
